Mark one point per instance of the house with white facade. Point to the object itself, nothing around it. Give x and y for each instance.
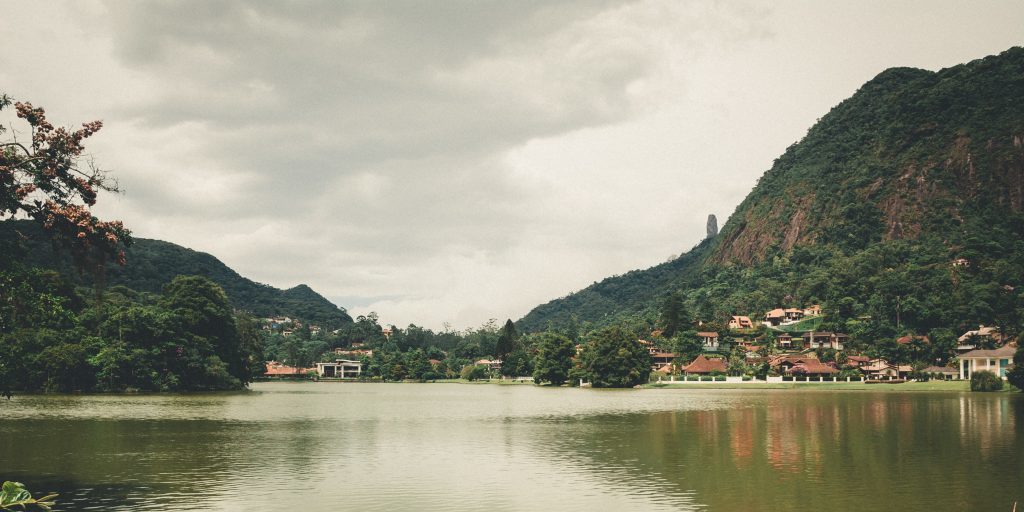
(340, 369)
(996, 361)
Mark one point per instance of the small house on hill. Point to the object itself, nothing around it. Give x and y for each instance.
(969, 340)
(785, 341)
(910, 338)
(740, 322)
(793, 314)
(709, 339)
(704, 366)
(775, 317)
(832, 340)
(814, 310)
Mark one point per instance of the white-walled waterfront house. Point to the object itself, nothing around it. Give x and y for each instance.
(340, 368)
(996, 361)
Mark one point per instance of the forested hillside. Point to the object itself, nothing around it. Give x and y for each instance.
(154, 263)
(900, 210)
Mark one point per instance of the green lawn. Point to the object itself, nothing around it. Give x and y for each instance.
(934, 385)
(807, 324)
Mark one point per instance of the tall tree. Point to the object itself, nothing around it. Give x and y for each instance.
(673, 316)
(507, 339)
(554, 359)
(614, 358)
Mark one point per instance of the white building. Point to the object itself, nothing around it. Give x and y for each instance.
(996, 361)
(340, 369)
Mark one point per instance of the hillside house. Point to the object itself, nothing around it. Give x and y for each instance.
(740, 322)
(910, 338)
(493, 365)
(660, 358)
(814, 310)
(785, 341)
(996, 361)
(832, 340)
(775, 317)
(970, 339)
(353, 353)
(704, 366)
(793, 314)
(710, 340)
(857, 361)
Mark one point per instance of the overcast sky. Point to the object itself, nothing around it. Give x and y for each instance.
(443, 161)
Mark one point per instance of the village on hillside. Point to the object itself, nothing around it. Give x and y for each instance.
(784, 354)
(782, 346)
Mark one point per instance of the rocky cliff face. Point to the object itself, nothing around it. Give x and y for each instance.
(911, 150)
(935, 158)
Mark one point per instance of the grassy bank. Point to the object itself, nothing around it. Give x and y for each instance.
(934, 385)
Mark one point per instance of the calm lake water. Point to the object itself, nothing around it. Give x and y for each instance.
(341, 446)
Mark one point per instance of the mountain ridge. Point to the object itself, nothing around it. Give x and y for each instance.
(916, 166)
(153, 263)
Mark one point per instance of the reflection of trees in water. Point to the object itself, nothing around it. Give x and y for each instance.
(800, 451)
(106, 462)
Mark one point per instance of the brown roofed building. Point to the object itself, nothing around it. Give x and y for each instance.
(906, 340)
(740, 322)
(710, 340)
(704, 366)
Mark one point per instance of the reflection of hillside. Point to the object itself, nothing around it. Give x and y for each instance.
(802, 451)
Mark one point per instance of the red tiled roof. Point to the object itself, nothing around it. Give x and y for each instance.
(707, 334)
(813, 367)
(278, 369)
(704, 365)
(775, 313)
(905, 340)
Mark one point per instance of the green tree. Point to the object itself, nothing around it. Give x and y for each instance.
(517, 363)
(613, 358)
(507, 340)
(554, 359)
(673, 316)
(1015, 375)
(474, 372)
(985, 381)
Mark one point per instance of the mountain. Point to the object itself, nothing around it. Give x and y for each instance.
(153, 263)
(901, 209)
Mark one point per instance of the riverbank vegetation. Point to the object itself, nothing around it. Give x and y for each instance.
(55, 336)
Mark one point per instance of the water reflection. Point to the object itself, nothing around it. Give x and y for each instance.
(800, 451)
(458, 447)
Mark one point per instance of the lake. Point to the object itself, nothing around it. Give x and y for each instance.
(347, 446)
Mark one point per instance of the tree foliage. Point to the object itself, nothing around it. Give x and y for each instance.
(554, 359)
(985, 381)
(612, 358)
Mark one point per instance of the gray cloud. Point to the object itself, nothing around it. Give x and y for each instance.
(455, 161)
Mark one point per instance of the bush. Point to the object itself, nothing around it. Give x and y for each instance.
(985, 381)
(720, 378)
(747, 377)
(475, 372)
